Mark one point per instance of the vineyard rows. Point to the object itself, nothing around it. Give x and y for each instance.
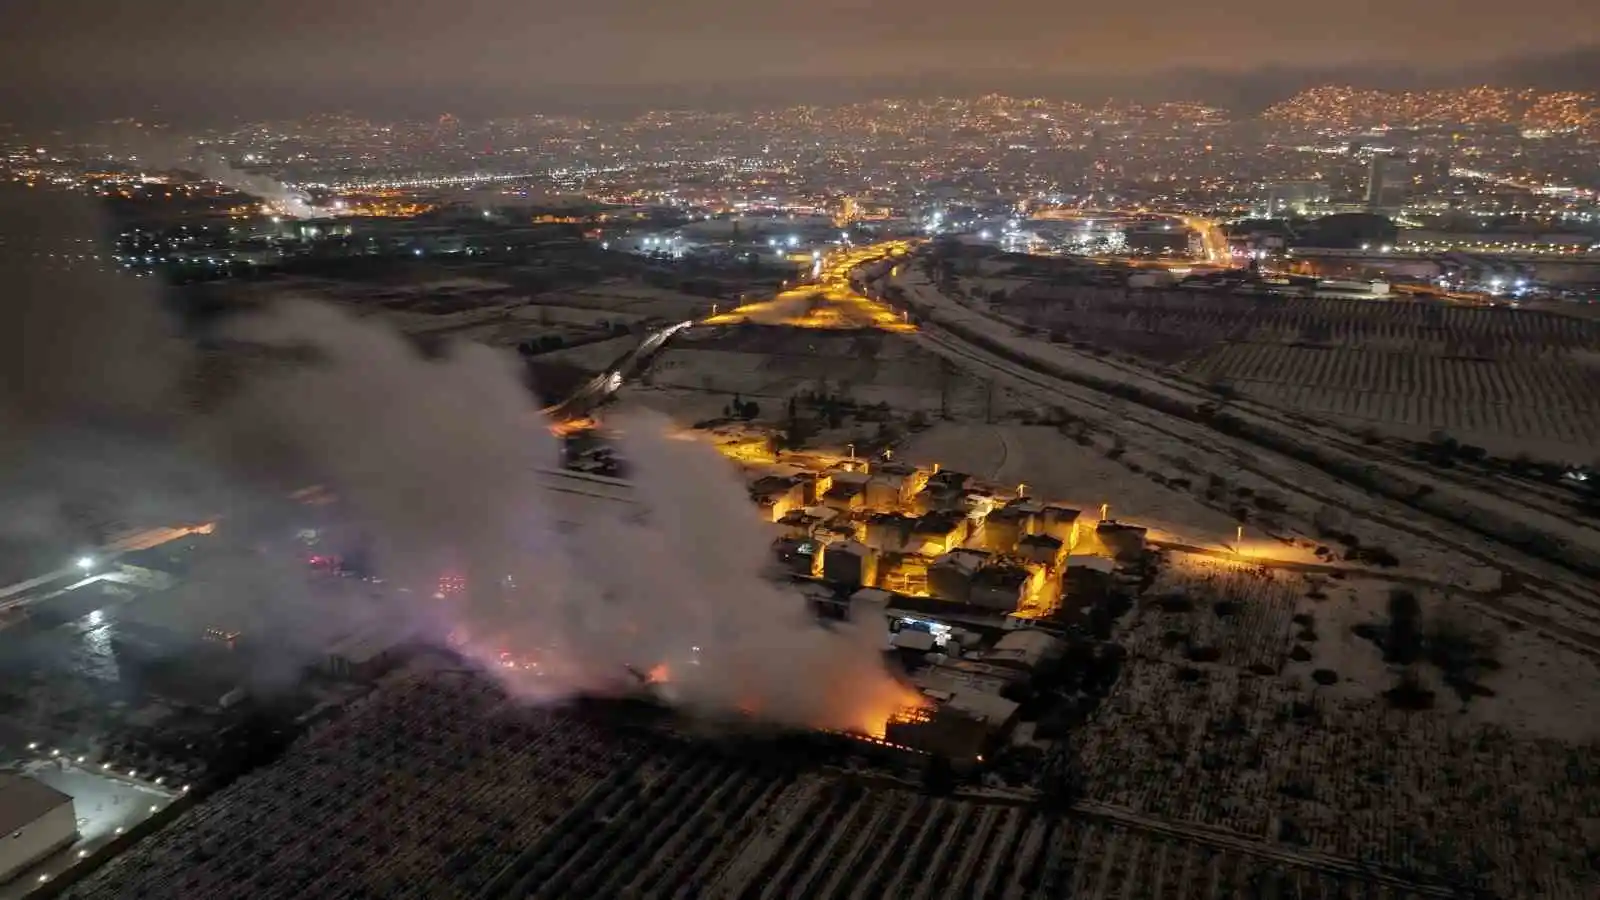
(445, 789)
(1539, 399)
(761, 836)
(1203, 318)
(1271, 757)
(426, 790)
(1253, 630)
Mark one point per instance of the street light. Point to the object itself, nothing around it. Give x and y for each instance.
(851, 448)
(85, 563)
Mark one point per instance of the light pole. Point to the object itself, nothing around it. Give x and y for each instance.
(851, 449)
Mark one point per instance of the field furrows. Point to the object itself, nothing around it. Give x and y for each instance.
(1343, 777)
(1541, 399)
(1199, 317)
(444, 789)
(1539, 576)
(477, 779)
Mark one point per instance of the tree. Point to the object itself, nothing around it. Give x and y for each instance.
(1060, 787)
(939, 778)
(1403, 643)
(750, 410)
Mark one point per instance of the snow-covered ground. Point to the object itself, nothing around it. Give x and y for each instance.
(1215, 720)
(1056, 468)
(1418, 539)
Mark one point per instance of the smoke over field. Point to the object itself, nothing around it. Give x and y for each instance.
(436, 462)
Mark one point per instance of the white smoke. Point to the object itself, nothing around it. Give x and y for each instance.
(438, 461)
(280, 197)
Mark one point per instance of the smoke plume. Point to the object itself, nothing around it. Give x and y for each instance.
(280, 197)
(438, 463)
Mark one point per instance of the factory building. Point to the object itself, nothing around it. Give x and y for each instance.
(1124, 542)
(1004, 527)
(1388, 182)
(36, 820)
(777, 495)
(968, 716)
(850, 563)
(951, 575)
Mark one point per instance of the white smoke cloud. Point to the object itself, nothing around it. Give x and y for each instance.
(437, 461)
(285, 200)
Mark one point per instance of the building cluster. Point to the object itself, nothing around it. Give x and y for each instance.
(775, 188)
(1531, 109)
(949, 561)
(935, 533)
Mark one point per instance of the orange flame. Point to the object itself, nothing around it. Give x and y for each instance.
(902, 704)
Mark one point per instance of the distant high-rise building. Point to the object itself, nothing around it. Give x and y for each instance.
(1388, 182)
(1293, 198)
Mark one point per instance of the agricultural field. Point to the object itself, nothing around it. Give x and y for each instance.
(725, 829)
(1509, 380)
(440, 779)
(772, 364)
(502, 306)
(1061, 470)
(440, 787)
(1246, 703)
(1547, 408)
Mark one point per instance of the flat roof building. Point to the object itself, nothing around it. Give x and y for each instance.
(36, 820)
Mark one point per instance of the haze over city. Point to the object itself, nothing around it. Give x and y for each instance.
(196, 60)
(503, 450)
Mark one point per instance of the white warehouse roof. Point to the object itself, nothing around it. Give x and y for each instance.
(24, 801)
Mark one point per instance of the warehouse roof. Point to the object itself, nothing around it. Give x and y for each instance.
(1027, 648)
(24, 801)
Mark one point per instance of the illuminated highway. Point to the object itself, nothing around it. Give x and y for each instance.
(828, 300)
(1213, 242)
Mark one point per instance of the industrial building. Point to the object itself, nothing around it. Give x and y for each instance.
(1294, 198)
(36, 820)
(1388, 182)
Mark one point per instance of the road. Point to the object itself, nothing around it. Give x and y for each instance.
(829, 300)
(50, 584)
(1551, 595)
(1213, 241)
(575, 410)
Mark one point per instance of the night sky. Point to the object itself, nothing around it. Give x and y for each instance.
(433, 55)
